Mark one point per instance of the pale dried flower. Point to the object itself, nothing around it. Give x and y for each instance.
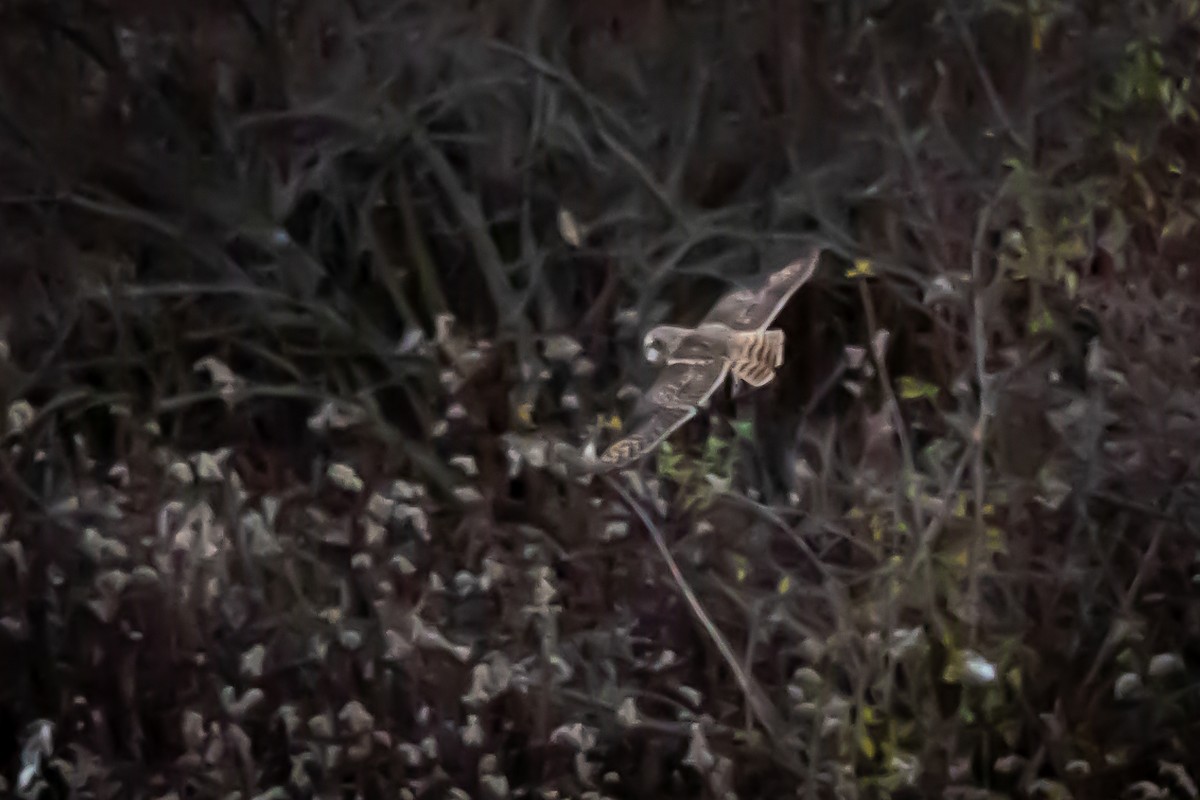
(344, 477)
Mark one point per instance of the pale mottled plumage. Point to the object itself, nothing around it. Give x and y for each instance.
(732, 337)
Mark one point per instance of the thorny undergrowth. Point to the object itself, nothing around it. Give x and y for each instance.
(302, 299)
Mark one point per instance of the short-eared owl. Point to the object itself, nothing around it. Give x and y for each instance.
(732, 337)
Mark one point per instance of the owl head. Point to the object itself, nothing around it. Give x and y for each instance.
(661, 341)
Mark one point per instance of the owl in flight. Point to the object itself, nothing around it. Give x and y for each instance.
(732, 337)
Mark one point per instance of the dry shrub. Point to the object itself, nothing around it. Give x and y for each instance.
(299, 297)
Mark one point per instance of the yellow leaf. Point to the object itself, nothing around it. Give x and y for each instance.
(525, 413)
(867, 746)
(861, 269)
(995, 540)
(960, 508)
(1074, 248)
(741, 566)
(1130, 151)
(876, 528)
(785, 584)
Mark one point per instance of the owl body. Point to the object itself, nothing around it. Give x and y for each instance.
(753, 356)
(732, 339)
(675, 345)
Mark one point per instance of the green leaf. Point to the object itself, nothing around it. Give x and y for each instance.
(713, 447)
(912, 388)
(743, 428)
(668, 461)
(1042, 322)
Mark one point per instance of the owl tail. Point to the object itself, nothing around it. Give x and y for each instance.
(755, 356)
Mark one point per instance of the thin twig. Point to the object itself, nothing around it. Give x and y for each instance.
(1114, 639)
(769, 515)
(910, 157)
(691, 128)
(885, 384)
(767, 715)
(986, 401)
(989, 88)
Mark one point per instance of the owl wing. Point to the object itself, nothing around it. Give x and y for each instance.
(672, 400)
(753, 309)
(687, 384)
(661, 423)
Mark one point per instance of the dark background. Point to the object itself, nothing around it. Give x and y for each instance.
(949, 551)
